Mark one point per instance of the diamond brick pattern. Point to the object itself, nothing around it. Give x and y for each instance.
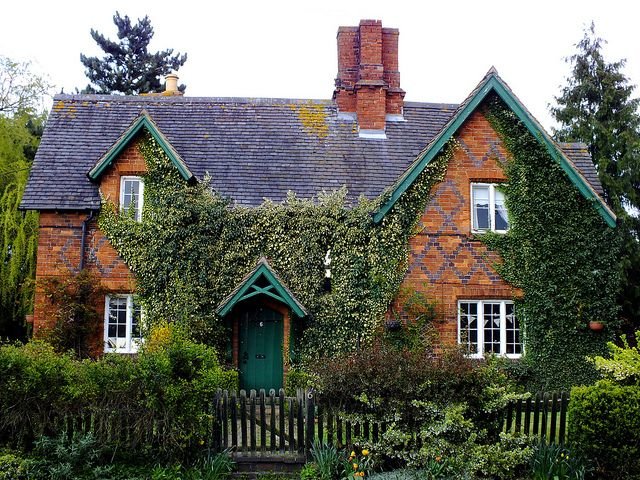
(446, 262)
(466, 262)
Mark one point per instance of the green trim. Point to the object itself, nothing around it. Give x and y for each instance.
(143, 121)
(494, 83)
(248, 289)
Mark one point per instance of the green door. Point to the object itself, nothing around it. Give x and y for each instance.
(261, 349)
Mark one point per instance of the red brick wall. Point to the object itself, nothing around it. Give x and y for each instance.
(446, 264)
(130, 162)
(60, 240)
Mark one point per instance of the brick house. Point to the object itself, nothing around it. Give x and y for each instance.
(367, 139)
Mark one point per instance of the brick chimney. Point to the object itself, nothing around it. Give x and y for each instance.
(368, 82)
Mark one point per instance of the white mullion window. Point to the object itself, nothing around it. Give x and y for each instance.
(122, 321)
(489, 326)
(132, 195)
(488, 210)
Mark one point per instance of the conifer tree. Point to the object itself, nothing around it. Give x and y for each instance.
(127, 66)
(596, 107)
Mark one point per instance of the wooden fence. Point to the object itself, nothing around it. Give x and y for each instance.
(267, 424)
(544, 415)
(261, 423)
(276, 423)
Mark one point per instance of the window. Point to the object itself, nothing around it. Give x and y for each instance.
(489, 326)
(122, 318)
(131, 195)
(488, 211)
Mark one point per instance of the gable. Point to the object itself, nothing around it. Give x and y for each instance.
(492, 83)
(261, 281)
(143, 122)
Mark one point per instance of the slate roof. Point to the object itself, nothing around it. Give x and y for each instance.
(579, 154)
(252, 148)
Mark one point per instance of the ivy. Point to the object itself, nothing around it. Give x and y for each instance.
(193, 247)
(562, 255)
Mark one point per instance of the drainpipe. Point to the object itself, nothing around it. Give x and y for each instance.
(83, 239)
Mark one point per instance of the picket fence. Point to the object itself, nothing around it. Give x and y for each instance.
(260, 422)
(275, 424)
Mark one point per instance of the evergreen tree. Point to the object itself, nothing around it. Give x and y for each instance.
(596, 107)
(127, 66)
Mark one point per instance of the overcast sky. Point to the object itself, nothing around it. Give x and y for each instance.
(288, 48)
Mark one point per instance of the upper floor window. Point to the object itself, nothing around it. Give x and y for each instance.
(122, 320)
(132, 195)
(489, 326)
(488, 211)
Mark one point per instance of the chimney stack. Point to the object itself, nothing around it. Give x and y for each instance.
(368, 82)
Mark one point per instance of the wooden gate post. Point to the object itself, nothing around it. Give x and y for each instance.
(311, 420)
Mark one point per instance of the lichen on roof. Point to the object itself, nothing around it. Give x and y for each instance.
(313, 118)
(66, 110)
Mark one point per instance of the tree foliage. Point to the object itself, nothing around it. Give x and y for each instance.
(127, 66)
(596, 107)
(21, 95)
(21, 90)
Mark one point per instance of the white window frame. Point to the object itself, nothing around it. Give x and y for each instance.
(131, 344)
(123, 179)
(480, 329)
(492, 207)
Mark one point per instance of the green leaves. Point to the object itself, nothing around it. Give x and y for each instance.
(192, 248)
(561, 254)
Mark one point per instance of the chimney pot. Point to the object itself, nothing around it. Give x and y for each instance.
(171, 83)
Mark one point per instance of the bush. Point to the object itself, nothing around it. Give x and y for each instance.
(604, 423)
(158, 401)
(386, 384)
(61, 457)
(297, 379)
(12, 467)
(440, 410)
(310, 472)
(34, 387)
(507, 459)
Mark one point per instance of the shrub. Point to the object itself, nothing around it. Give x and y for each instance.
(12, 467)
(61, 457)
(440, 410)
(623, 366)
(310, 472)
(604, 423)
(297, 379)
(409, 474)
(158, 401)
(386, 384)
(34, 386)
(507, 459)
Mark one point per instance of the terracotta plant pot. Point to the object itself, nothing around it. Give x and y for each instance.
(596, 326)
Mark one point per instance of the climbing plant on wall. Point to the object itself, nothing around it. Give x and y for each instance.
(192, 248)
(560, 253)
